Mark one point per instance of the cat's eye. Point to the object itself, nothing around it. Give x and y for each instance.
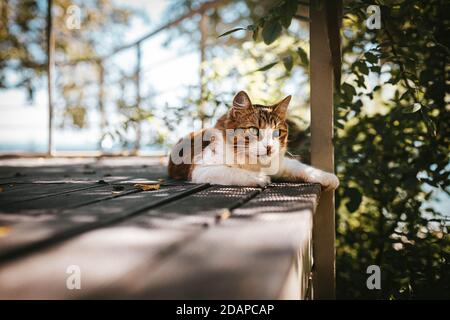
(254, 131)
(276, 133)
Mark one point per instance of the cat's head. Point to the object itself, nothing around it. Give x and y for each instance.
(263, 128)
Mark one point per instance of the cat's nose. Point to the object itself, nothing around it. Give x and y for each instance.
(269, 150)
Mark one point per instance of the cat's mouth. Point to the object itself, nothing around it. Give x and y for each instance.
(263, 158)
(266, 154)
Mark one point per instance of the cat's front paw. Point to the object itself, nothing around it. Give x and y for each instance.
(329, 181)
(257, 180)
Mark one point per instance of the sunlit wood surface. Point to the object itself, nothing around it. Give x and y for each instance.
(180, 241)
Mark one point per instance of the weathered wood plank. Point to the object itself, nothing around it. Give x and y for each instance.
(19, 192)
(29, 235)
(141, 242)
(52, 203)
(89, 175)
(7, 188)
(43, 208)
(38, 191)
(246, 257)
(61, 170)
(13, 167)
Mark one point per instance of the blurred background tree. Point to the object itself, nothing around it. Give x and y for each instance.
(23, 36)
(23, 54)
(392, 150)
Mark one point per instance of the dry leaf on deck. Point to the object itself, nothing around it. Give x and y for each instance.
(147, 187)
(4, 230)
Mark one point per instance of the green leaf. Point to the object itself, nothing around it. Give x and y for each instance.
(376, 69)
(349, 91)
(231, 31)
(303, 56)
(355, 199)
(362, 67)
(432, 127)
(360, 81)
(287, 12)
(413, 108)
(406, 94)
(251, 27)
(303, 18)
(358, 104)
(340, 123)
(267, 66)
(337, 198)
(371, 57)
(288, 62)
(271, 31)
(255, 33)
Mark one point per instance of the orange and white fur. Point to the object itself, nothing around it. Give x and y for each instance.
(259, 140)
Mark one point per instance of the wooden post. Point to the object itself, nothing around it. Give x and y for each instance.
(322, 153)
(50, 63)
(101, 101)
(203, 35)
(137, 144)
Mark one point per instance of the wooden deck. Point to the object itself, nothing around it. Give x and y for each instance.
(184, 240)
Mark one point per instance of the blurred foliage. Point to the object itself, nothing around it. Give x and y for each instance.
(392, 150)
(24, 48)
(23, 36)
(392, 145)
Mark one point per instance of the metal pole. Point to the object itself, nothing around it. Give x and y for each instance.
(50, 64)
(203, 35)
(101, 105)
(138, 97)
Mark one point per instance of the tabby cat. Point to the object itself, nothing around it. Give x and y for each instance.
(246, 147)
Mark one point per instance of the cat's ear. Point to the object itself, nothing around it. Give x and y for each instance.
(281, 107)
(241, 102)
